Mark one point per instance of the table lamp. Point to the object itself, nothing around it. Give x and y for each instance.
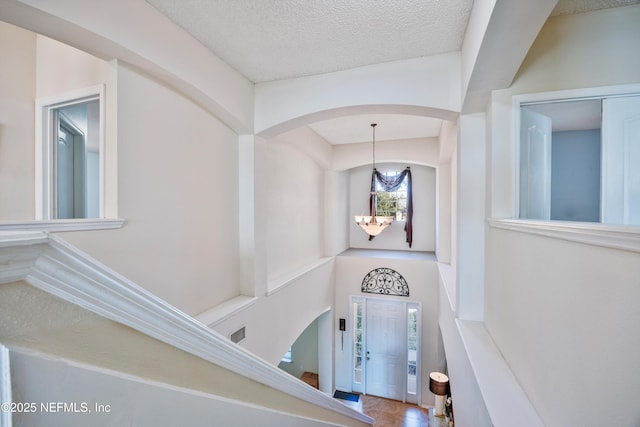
(439, 385)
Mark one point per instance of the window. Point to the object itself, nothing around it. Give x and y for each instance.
(70, 156)
(357, 342)
(412, 350)
(392, 203)
(579, 159)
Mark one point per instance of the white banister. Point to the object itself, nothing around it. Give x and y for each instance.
(49, 263)
(5, 388)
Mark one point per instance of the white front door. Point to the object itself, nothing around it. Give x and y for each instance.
(386, 343)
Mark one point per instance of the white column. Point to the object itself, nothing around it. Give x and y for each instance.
(443, 218)
(471, 216)
(252, 197)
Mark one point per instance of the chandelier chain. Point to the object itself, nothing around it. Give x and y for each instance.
(373, 125)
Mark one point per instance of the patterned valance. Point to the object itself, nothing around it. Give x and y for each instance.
(385, 281)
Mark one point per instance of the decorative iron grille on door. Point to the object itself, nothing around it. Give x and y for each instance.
(385, 281)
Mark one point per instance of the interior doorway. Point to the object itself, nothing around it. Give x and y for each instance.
(70, 166)
(386, 348)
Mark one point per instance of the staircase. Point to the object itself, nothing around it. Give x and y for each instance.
(94, 348)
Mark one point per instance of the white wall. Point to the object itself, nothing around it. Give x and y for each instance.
(17, 93)
(421, 151)
(178, 194)
(563, 314)
(421, 276)
(276, 320)
(583, 50)
(336, 210)
(62, 68)
(172, 243)
(293, 215)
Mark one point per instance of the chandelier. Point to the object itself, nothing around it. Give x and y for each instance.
(373, 224)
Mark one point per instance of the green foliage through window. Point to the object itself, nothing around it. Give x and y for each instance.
(392, 203)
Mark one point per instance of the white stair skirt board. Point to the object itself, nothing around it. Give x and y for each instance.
(106, 397)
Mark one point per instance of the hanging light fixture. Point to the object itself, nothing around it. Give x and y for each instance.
(373, 224)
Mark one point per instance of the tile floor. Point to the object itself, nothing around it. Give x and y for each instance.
(391, 413)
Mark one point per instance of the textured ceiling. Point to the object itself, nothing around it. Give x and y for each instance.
(268, 40)
(569, 7)
(273, 40)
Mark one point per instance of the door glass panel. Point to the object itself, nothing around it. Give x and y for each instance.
(412, 350)
(357, 342)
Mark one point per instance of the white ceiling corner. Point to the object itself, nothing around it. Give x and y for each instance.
(275, 40)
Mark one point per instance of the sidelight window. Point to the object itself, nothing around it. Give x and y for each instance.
(358, 343)
(412, 350)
